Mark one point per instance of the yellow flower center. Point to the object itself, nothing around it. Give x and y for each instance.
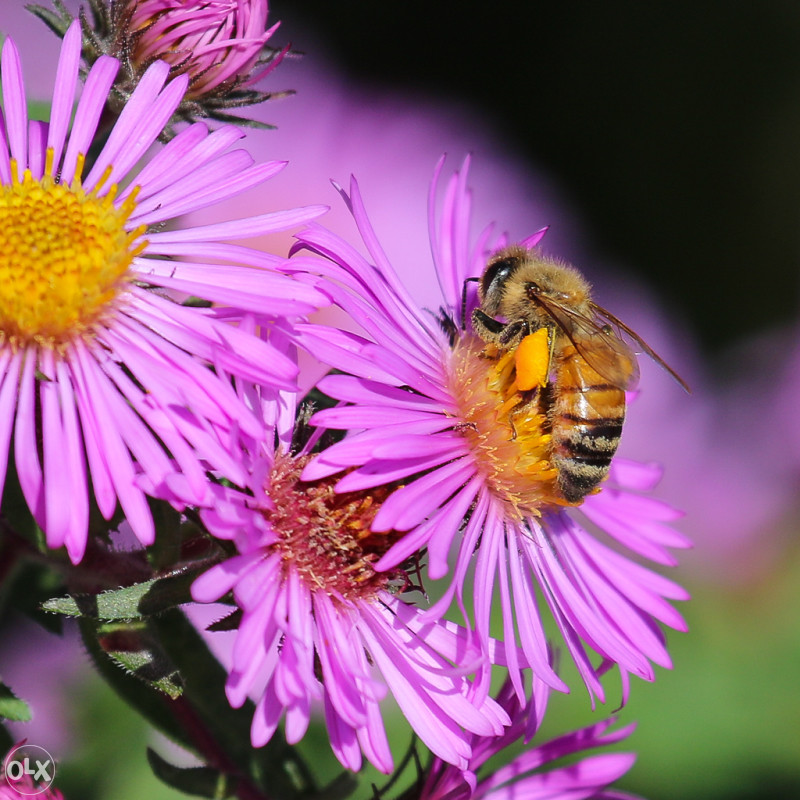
(64, 256)
(507, 426)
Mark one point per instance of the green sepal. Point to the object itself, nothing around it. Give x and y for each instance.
(142, 696)
(58, 23)
(11, 707)
(230, 622)
(130, 602)
(134, 648)
(198, 781)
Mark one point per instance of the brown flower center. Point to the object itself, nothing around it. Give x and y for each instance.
(326, 536)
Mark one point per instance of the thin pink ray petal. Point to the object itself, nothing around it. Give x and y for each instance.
(9, 381)
(122, 471)
(37, 138)
(29, 470)
(56, 463)
(15, 105)
(5, 164)
(90, 107)
(246, 228)
(64, 91)
(103, 486)
(122, 135)
(75, 541)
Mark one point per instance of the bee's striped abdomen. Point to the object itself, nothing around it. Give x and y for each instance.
(586, 417)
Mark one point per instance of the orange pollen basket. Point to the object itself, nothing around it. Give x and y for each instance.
(506, 425)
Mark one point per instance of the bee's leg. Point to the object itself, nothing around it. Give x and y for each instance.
(528, 399)
(487, 328)
(464, 304)
(514, 330)
(447, 324)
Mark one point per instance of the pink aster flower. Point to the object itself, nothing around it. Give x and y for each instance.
(104, 377)
(320, 628)
(218, 43)
(221, 46)
(525, 776)
(424, 407)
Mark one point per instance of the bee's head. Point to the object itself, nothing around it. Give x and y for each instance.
(498, 273)
(524, 283)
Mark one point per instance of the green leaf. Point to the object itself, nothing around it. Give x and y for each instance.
(130, 602)
(201, 718)
(199, 781)
(11, 707)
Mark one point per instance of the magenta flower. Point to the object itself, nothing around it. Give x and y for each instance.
(100, 367)
(320, 628)
(219, 44)
(423, 411)
(525, 777)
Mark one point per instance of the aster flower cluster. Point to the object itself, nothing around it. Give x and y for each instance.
(161, 447)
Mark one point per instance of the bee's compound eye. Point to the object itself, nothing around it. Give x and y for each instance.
(497, 274)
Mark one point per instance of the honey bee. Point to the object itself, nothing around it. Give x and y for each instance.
(590, 366)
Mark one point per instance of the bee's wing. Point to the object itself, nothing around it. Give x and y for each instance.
(604, 351)
(638, 339)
